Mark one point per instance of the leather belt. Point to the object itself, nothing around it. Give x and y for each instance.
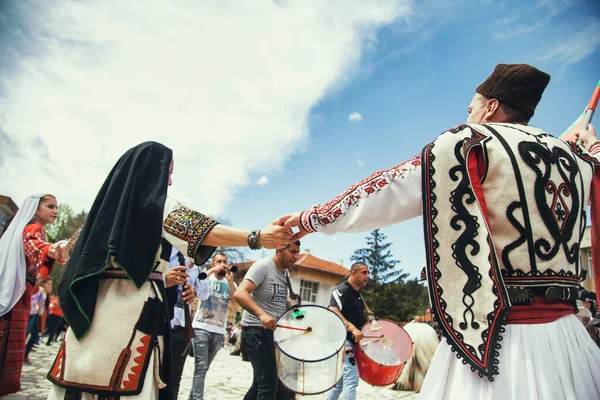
(524, 296)
(118, 274)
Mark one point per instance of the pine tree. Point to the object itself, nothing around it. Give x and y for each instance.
(388, 293)
(378, 257)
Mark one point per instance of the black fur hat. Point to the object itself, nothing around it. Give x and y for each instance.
(519, 86)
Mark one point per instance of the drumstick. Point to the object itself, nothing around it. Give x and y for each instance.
(373, 337)
(295, 328)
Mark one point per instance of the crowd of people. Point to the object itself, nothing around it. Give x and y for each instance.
(503, 205)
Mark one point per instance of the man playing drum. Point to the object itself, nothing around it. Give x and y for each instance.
(347, 302)
(263, 294)
(504, 210)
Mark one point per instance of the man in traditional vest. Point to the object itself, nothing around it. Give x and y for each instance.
(504, 210)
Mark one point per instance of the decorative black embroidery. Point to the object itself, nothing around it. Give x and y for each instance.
(522, 204)
(558, 216)
(465, 222)
(72, 394)
(486, 362)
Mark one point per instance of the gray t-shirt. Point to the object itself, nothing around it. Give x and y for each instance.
(270, 293)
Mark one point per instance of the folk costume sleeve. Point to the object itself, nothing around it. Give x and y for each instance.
(186, 229)
(384, 198)
(36, 250)
(73, 240)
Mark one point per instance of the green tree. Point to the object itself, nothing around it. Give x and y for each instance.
(234, 254)
(66, 223)
(378, 256)
(388, 294)
(63, 228)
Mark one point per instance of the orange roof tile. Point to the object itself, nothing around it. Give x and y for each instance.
(307, 260)
(312, 262)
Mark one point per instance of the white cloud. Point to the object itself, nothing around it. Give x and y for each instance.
(530, 17)
(355, 117)
(359, 161)
(263, 181)
(517, 31)
(83, 81)
(576, 47)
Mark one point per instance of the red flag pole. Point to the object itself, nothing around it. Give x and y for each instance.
(589, 111)
(594, 198)
(584, 119)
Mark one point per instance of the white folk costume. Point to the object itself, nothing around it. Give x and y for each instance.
(504, 210)
(118, 342)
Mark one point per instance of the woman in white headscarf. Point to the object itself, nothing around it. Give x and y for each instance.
(24, 254)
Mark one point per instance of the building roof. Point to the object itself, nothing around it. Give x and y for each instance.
(312, 262)
(309, 261)
(8, 205)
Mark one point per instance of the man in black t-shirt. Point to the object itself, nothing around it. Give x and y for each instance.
(347, 302)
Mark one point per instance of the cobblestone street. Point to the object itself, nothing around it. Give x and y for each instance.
(228, 378)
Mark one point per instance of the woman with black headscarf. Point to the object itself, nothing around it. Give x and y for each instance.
(112, 292)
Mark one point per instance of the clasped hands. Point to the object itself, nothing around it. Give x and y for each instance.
(59, 251)
(279, 233)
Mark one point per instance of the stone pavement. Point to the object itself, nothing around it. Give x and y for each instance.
(228, 378)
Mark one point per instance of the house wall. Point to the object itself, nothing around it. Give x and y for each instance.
(326, 282)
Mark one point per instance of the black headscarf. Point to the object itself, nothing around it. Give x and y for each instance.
(125, 221)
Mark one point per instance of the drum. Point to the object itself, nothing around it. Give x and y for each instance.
(309, 347)
(383, 352)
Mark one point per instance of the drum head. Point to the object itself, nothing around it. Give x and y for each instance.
(327, 333)
(383, 352)
(310, 361)
(393, 345)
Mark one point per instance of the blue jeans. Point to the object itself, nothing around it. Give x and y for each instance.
(347, 385)
(206, 345)
(33, 328)
(258, 344)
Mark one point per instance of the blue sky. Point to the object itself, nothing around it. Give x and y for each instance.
(263, 92)
(407, 95)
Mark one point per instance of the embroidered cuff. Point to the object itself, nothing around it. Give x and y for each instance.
(305, 221)
(595, 148)
(191, 227)
(73, 241)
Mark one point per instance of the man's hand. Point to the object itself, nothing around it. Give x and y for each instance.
(176, 276)
(268, 321)
(358, 335)
(229, 274)
(275, 236)
(188, 294)
(587, 136)
(290, 221)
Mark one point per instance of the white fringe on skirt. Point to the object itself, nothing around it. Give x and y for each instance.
(553, 361)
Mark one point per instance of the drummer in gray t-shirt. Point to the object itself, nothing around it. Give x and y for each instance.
(263, 294)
